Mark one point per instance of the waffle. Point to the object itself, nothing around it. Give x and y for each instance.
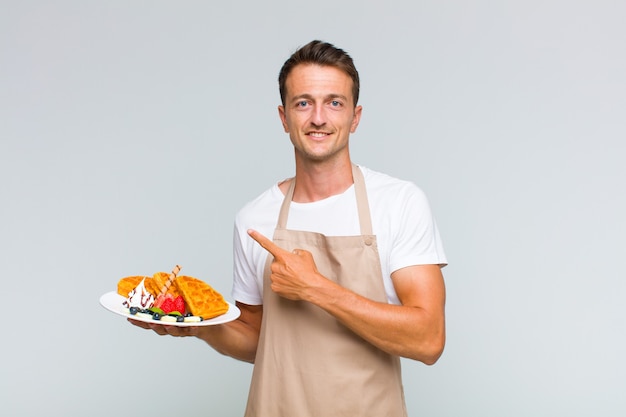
(126, 285)
(156, 283)
(201, 299)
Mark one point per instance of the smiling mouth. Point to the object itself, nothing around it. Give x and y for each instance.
(318, 134)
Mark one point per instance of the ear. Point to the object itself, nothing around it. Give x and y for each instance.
(283, 118)
(356, 118)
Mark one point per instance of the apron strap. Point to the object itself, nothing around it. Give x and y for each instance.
(284, 208)
(362, 204)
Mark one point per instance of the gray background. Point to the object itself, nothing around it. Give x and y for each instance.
(131, 133)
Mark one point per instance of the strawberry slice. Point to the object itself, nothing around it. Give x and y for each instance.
(179, 305)
(168, 305)
(160, 299)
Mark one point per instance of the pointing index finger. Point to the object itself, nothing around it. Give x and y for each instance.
(266, 243)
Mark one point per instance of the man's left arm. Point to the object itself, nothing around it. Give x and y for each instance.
(415, 329)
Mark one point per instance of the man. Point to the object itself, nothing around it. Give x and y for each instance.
(351, 279)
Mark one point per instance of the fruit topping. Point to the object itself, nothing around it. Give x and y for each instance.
(168, 304)
(179, 305)
(155, 313)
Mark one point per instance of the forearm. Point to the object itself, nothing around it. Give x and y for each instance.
(235, 339)
(238, 338)
(407, 331)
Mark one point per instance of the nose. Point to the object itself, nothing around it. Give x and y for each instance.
(318, 116)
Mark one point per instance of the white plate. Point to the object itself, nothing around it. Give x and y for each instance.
(112, 301)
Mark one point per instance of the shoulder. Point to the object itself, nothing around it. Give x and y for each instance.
(259, 208)
(389, 188)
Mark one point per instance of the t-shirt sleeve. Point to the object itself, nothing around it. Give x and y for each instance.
(415, 238)
(245, 285)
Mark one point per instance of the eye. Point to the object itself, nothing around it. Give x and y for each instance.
(302, 103)
(335, 103)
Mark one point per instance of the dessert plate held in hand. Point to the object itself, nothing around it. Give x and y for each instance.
(112, 301)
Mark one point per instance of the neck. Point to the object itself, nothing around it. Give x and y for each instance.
(319, 180)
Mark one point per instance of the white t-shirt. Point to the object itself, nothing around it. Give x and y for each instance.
(402, 221)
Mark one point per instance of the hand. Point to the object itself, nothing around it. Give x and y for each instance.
(292, 273)
(163, 329)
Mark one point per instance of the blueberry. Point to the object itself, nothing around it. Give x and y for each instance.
(156, 316)
(134, 310)
(180, 319)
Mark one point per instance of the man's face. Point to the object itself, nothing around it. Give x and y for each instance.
(319, 112)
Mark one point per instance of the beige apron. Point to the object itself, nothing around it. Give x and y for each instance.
(307, 362)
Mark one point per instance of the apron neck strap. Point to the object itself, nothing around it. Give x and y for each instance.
(365, 219)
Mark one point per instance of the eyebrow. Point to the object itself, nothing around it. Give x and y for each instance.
(307, 96)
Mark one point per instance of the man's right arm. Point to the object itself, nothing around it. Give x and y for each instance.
(238, 338)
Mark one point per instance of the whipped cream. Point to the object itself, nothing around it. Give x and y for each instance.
(139, 297)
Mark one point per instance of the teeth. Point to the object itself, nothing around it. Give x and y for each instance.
(317, 134)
